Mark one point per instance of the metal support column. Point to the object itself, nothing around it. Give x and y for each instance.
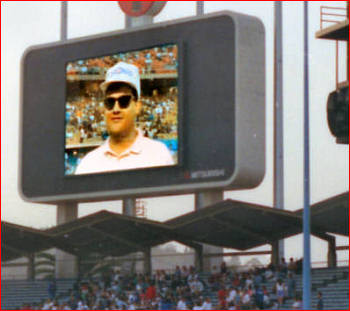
(131, 22)
(66, 264)
(200, 8)
(64, 19)
(31, 267)
(147, 261)
(129, 204)
(129, 209)
(332, 253)
(275, 256)
(306, 212)
(198, 260)
(278, 185)
(202, 200)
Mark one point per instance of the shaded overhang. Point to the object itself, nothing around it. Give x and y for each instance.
(109, 234)
(18, 241)
(238, 225)
(229, 223)
(331, 215)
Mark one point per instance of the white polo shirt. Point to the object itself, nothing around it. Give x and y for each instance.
(143, 153)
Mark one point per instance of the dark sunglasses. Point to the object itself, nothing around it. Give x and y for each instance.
(123, 102)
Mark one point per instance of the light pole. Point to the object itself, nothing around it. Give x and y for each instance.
(306, 212)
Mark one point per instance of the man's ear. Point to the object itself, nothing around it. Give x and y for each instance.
(138, 107)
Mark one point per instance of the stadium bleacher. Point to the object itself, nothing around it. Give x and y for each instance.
(17, 293)
(332, 282)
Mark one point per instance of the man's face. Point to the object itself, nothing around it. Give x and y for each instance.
(120, 117)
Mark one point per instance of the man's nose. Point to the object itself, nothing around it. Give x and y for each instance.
(116, 108)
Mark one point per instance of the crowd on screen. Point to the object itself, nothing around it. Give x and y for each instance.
(183, 289)
(158, 60)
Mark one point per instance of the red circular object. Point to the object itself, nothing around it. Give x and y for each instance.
(139, 8)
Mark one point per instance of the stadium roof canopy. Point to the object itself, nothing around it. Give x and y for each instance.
(237, 225)
(108, 233)
(331, 215)
(102, 233)
(18, 241)
(229, 223)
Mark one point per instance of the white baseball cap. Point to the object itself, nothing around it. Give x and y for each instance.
(123, 72)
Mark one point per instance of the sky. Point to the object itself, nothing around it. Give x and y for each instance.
(28, 23)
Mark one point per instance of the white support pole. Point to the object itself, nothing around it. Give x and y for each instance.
(278, 188)
(306, 212)
(129, 204)
(66, 264)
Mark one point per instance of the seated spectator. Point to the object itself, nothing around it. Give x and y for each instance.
(267, 299)
(269, 274)
(52, 287)
(297, 304)
(291, 285)
(275, 306)
(207, 305)
(197, 305)
(166, 304)
(232, 293)
(299, 266)
(223, 268)
(231, 306)
(280, 289)
(259, 297)
(184, 272)
(319, 301)
(121, 303)
(181, 305)
(197, 287)
(177, 273)
(283, 266)
(48, 305)
(82, 305)
(248, 281)
(291, 265)
(236, 280)
(246, 300)
(151, 292)
(257, 279)
(222, 295)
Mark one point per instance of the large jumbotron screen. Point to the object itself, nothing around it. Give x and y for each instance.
(197, 111)
(86, 117)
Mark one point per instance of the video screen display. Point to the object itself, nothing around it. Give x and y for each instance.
(122, 111)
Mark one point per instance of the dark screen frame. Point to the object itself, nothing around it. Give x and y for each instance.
(221, 112)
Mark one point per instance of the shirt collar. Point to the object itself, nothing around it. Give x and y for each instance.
(135, 148)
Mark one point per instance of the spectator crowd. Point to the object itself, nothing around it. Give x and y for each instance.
(183, 289)
(157, 60)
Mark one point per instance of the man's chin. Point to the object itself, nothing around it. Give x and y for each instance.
(116, 131)
(119, 135)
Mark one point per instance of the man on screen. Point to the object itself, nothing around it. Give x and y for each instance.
(126, 147)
